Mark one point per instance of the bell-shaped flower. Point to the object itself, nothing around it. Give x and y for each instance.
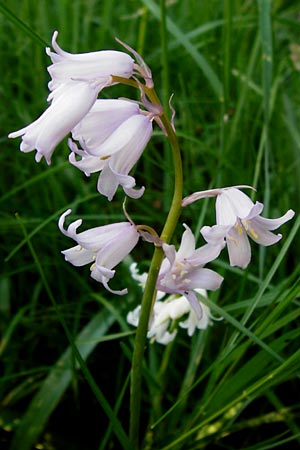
(182, 272)
(169, 313)
(159, 333)
(69, 105)
(104, 247)
(116, 156)
(102, 121)
(237, 219)
(99, 66)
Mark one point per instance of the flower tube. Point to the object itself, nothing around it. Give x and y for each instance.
(101, 122)
(67, 109)
(100, 65)
(116, 156)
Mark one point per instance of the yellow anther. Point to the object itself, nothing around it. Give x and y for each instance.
(239, 228)
(253, 234)
(250, 229)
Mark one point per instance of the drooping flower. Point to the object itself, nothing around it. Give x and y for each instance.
(99, 66)
(76, 82)
(182, 272)
(101, 122)
(237, 218)
(104, 247)
(112, 155)
(66, 110)
(170, 313)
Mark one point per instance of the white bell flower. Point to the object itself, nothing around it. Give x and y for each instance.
(116, 156)
(101, 122)
(104, 247)
(99, 65)
(66, 110)
(237, 219)
(169, 313)
(182, 271)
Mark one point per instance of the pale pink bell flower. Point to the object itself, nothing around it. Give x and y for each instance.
(104, 247)
(115, 157)
(237, 219)
(66, 110)
(99, 65)
(183, 271)
(101, 122)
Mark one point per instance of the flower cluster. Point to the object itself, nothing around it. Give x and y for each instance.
(108, 137)
(112, 133)
(170, 312)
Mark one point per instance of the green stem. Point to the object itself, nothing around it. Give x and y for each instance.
(149, 292)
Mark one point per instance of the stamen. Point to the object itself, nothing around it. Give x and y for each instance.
(250, 229)
(239, 228)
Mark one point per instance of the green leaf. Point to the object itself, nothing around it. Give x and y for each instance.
(56, 383)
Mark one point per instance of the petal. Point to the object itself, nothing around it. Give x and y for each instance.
(199, 195)
(170, 253)
(134, 193)
(166, 337)
(88, 164)
(255, 211)
(272, 224)
(225, 213)
(134, 316)
(204, 279)
(57, 121)
(209, 193)
(194, 302)
(238, 247)
(205, 254)
(112, 234)
(71, 230)
(92, 65)
(131, 137)
(103, 275)
(116, 249)
(261, 235)
(102, 120)
(241, 203)
(127, 182)
(107, 183)
(216, 234)
(187, 245)
(191, 323)
(178, 307)
(230, 204)
(96, 238)
(78, 256)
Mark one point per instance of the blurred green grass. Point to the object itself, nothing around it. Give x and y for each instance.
(237, 118)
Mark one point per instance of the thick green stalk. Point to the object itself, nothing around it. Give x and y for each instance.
(149, 292)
